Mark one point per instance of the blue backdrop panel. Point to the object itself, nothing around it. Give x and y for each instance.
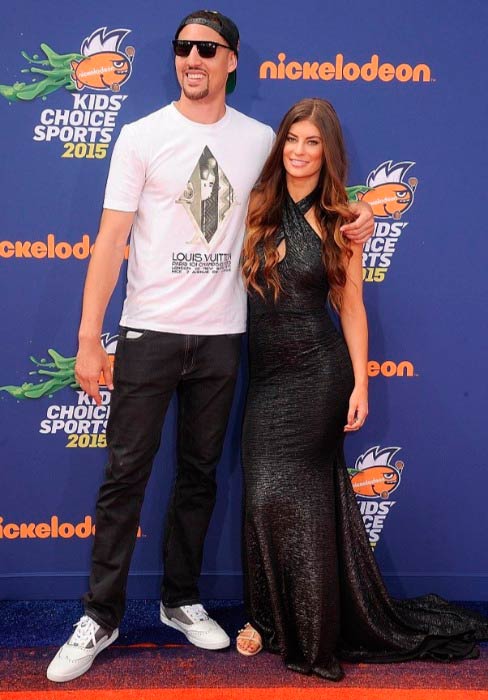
(407, 84)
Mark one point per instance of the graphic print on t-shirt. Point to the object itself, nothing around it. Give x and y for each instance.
(208, 197)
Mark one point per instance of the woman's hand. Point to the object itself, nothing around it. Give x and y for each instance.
(358, 409)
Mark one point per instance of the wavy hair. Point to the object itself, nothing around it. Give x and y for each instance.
(260, 253)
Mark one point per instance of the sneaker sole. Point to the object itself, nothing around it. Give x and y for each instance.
(58, 678)
(198, 642)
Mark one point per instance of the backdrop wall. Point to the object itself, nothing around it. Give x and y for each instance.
(406, 81)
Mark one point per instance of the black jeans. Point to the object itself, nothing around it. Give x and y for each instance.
(148, 369)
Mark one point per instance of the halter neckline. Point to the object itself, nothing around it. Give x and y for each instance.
(305, 203)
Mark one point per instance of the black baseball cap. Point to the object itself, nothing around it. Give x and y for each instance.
(222, 25)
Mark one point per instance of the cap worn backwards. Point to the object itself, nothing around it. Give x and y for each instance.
(222, 25)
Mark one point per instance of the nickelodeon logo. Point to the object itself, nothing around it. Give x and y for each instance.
(388, 368)
(339, 70)
(50, 530)
(50, 248)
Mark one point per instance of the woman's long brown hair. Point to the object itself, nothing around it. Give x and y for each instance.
(331, 210)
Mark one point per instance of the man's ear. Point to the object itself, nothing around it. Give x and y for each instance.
(232, 61)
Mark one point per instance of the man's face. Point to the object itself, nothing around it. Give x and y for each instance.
(199, 77)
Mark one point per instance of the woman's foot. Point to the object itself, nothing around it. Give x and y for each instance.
(249, 641)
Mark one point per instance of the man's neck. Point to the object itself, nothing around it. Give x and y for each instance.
(201, 111)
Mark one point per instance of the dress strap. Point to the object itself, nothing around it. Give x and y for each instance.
(304, 204)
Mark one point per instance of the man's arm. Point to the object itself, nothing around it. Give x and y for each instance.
(362, 228)
(101, 278)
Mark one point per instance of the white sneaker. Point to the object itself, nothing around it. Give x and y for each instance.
(196, 625)
(77, 655)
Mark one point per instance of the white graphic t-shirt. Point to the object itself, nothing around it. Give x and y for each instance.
(189, 185)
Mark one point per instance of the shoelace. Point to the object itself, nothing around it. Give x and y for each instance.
(85, 631)
(196, 613)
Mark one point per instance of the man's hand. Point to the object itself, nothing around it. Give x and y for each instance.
(362, 227)
(91, 360)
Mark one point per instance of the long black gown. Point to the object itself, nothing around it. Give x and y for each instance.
(312, 586)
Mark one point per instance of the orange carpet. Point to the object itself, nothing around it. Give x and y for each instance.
(152, 662)
(249, 694)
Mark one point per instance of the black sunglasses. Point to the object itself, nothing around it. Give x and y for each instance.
(206, 49)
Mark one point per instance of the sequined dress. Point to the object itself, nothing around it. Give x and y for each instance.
(312, 586)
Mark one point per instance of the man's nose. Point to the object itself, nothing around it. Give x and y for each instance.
(194, 56)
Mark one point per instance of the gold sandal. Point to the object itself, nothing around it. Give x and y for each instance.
(249, 634)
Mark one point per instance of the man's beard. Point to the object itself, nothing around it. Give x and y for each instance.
(196, 93)
(191, 95)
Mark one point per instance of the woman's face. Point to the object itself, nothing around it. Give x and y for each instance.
(303, 153)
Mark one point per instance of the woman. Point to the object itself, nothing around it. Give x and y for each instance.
(313, 591)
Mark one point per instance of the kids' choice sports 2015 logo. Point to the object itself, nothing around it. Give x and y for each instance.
(375, 477)
(390, 194)
(80, 420)
(102, 66)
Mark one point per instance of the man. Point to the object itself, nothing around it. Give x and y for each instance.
(180, 179)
